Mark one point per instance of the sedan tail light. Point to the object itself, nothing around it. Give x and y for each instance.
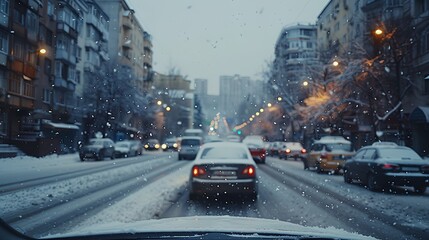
(390, 167)
(303, 150)
(198, 171)
(249, 171)
(288, 150)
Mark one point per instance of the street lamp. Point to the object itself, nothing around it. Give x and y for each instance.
(378, 32)
(335, 63)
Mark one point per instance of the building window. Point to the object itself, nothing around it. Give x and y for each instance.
(4, 47)
(421, 6)
(46, 95)
(18, 50)
(78, 77)
(4, 6)
(49, 38)
(19, 16)
(426, 85)
(15, 83)
(50, 8)
(32, 22)
(48, 66)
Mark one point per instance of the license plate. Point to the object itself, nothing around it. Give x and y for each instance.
(224, 173)
(410, 169)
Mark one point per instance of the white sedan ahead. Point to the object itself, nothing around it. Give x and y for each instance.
(224, 169)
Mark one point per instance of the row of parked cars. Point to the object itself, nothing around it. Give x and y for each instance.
(378, 166)
(101, 148)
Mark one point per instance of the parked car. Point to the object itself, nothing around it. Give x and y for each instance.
(385, 164)
(328, 154)
(256, 147)
(170, 144)
(152, 144)
(189, 147)
(98, 148)
(136, 147)
(292, 150)
(123, 149)
(223, 169)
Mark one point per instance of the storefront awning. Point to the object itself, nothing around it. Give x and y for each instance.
(420, 115)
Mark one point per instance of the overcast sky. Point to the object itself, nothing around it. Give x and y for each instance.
(210, 38)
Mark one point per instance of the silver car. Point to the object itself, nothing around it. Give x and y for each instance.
(224, 169)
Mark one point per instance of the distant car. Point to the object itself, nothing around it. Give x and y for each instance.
(170, 144)
(292, 150)
(123, 149)
(256, 147)
(212, 138)
(224, 169)
(128, 148)
(233, 138)
(328, 154)
(136, 147)
(152, 144)
(385, 164)
(189, 147)
(274, 148)
(98, 148)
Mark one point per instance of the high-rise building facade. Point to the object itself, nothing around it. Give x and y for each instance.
(295, 54)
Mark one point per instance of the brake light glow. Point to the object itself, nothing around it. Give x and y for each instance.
(197, 171)
(288, 150)
(388, 166)
(303, 150)
(250, 171)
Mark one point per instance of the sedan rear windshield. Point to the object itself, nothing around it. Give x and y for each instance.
(224, 153)
(190, 142)
(398, 153)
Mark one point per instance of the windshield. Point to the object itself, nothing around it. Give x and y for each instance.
(398, 153)
(224, 153)
(190, 142)
(338, 146)
(106, 107)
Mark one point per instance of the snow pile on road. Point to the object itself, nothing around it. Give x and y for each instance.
(145, 204)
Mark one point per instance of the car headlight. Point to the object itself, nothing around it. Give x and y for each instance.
(175, 145)
(157, 146)
(146, 146)
(164, 146)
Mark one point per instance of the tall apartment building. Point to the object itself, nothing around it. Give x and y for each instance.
(131, 46)
(295, 54)
(340, 29)
(235, 90)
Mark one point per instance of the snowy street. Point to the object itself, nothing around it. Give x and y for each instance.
(73, 195)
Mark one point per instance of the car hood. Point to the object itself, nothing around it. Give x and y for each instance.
(213, 224)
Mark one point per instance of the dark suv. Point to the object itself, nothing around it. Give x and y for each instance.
(98, 148)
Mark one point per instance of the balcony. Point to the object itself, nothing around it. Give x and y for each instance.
(62, 54)
(91, 44)
(89, 67)
(126, 22)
